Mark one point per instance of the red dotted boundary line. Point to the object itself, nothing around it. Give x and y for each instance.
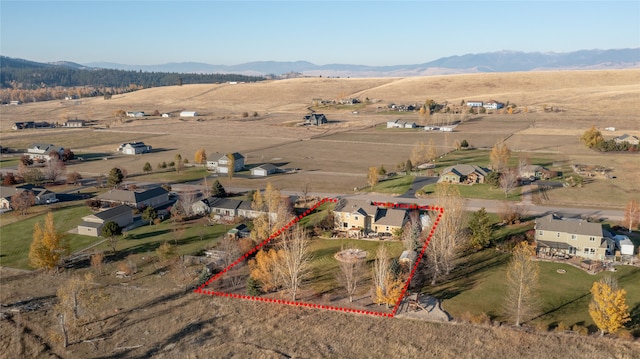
(201, 289)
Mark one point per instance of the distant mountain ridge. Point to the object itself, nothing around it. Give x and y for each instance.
(501, 61)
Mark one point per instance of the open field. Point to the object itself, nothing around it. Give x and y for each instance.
(335, 156)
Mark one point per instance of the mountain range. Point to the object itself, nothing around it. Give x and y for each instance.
(501, 61)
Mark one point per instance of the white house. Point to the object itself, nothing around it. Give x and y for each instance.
(493, 105)
(42, 151)
(166, 115)
(134, 148)
(475, 103)
(632, 140)
(221, 165)
(264, 170)
(135, 114)
(188, 114)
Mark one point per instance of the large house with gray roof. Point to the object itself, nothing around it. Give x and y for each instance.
(572, 237)
(137, 198)
(92, 224)
(41, 151)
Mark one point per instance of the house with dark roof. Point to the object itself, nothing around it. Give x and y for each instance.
(632, 140)
(571, 237)
(363, 217)
(41, 195)
(139, 198)
(464, 174)
(92, 224)
(315, 119)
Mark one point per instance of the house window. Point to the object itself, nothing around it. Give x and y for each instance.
(540, 233)
(345, 225)
(355, 217)
(592, 250)
(573, 236)
(586, 251)
(387, 228)
(592, 239)
(558, 234)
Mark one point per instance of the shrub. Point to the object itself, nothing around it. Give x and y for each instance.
(580, 329)
(561, 327)
(253, 287)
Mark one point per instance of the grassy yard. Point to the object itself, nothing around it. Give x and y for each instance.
(325, 266)
(191, 239)
(189, 174)
(481, 158)
(16, 237)
(395, 185)
(9, 162)
(479, 190)
(478, 286)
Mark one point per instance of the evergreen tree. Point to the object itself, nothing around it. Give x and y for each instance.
(218, 190)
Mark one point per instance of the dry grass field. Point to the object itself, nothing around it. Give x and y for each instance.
(336, 156)
(149, 316)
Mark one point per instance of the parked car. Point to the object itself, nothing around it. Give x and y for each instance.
(52, 200)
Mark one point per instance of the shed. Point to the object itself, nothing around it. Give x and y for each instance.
(188, 114)
(264, 170)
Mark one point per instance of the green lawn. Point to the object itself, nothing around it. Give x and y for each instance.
(325, 266)
(478, 286)
(16, 238)
(396, 185)
(9, 162)
(147, 238)
(479, 190)
(188, 175)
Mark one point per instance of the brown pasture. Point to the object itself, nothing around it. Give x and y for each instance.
(335, 156)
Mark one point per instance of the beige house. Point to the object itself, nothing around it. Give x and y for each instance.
(571, 237)
(363, 217)
(464, 173)
(92, 224)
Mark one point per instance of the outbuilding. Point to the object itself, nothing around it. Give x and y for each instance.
(188, 114)
(264, 170)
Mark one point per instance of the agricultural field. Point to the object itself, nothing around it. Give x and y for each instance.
(153, 312)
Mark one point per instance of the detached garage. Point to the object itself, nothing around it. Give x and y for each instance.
(188, 114)
(264, 170)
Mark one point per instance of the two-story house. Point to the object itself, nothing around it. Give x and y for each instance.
(221, 163)
(363, 217)
(571, 237)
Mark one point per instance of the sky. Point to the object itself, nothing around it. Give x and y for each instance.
(375, 33)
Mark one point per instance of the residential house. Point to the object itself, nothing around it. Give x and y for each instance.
(529, 171)
(464, 173)
(188, 114)
(401, 124)
(23, 125)
(475, 103)
(571, 237)
(363, 217)
(41, 151)
(493, 105)
(41, 194)
(137, 198)
(224, 207)
(315, 119)
(223, 162)
(92, 224)
(632, 140)
(245, 209)
(264, 170)
(74, 123)
(134, 148)
(135, 114)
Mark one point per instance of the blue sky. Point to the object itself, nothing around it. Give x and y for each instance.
(322, 32)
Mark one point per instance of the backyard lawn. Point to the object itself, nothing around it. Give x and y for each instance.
(395, 185)
(478, 286)
(479, 190)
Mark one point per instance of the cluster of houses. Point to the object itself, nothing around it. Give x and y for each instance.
(489, 105)
(401, 124)
(140, 114)
(41, 195)
(470, 174)
(122, 203)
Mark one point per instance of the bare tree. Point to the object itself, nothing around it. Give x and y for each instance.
(53, 169)
(372, 176)
(352, 272)
(508, 181)
(522, 279)
(381, 269)
(186, 201)
(229, 246)
(305, 188)
(295, 265)
(449, 237)
(632, 214)
(412, 231)
(22, 201)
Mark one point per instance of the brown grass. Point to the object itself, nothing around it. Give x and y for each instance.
(149, 316)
